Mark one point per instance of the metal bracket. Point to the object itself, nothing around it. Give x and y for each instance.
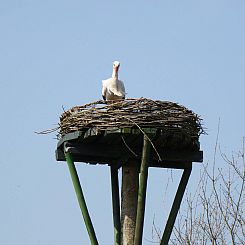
(80, 196)
(176, 205)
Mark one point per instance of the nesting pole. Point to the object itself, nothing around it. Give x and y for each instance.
(129, 202)
(132, 134)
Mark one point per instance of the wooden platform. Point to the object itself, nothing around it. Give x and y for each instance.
(121, 146)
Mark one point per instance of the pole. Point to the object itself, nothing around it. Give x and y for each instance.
(80, 198)
(175, 207)
(130, 184)
(115, 205)
(146, 152)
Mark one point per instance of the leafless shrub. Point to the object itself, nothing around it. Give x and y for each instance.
(215, 214)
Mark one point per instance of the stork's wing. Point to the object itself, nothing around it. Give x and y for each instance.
(112, 87)
(104, 89)
(116, 88)
(121, 87)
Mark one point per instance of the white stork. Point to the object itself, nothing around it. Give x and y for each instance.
(113, 89)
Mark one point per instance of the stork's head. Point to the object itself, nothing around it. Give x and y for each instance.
(116, 64)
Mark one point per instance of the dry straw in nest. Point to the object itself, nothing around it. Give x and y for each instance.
(141, 113)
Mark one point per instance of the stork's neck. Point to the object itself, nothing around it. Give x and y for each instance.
(115, 72)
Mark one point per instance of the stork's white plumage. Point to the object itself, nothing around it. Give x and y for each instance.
(113, 89)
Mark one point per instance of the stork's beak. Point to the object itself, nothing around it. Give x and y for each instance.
(116, 68)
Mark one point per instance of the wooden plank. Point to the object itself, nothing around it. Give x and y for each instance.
(70, 136)
(96, 147)
(110, 153)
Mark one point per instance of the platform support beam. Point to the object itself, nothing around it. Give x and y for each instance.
(80, 198)
(146, 152)
(175, 207)
(115, 205)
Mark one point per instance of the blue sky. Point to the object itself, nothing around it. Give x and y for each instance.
(55, 53)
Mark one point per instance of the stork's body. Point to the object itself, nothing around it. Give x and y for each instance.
(113, 88)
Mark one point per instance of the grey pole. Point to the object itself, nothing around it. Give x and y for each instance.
(130, 185)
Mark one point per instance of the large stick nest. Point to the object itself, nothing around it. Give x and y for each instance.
(142, 113)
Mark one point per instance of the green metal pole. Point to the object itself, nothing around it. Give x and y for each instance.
(80, 198)
(115, 205)
(142, 191)
(175, 207)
